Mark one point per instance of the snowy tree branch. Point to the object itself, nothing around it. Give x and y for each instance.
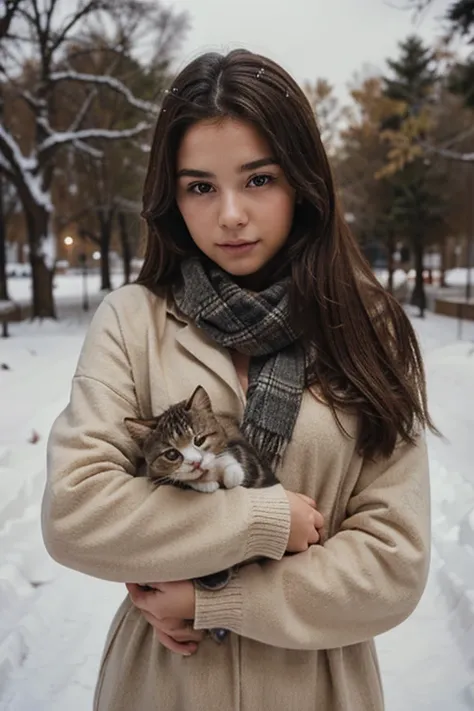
(109, 81)
(58, 139)
(12, 154)
(76, 124)
(22, 170)
(89, 150)
(34, 103)
(5, 168)
(448, 153)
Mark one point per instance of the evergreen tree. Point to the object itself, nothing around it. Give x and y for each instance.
(413, 75)
(416, 207)
(461, 18)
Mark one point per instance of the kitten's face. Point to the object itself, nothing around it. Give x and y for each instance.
(182, 443)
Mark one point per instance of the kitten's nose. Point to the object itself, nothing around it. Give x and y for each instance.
(196, 465)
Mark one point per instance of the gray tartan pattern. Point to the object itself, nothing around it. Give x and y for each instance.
(258, 326)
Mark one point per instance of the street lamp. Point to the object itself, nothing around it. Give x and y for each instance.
(69, 242)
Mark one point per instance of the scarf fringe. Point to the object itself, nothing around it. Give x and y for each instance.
(270, 446)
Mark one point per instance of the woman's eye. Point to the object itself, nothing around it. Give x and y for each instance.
(199, 440)
(172, 455)
(200, 188)
(259, 181)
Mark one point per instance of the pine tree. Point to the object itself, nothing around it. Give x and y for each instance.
(416, 207)
(413, 75)
(461, 18)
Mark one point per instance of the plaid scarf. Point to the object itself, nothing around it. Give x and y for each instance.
(258, 326)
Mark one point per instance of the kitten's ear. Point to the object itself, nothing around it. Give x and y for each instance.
(140, 429)
(199, 400)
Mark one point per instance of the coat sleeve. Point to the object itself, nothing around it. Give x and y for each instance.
(363, 581)
(100, 519)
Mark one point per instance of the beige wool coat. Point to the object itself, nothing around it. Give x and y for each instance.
(302, 625)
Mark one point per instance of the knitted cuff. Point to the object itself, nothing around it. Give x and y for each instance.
(270, 520)
(219, 608)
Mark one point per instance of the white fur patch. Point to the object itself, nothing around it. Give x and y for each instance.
(206, 487)
(208, 461)
(233, 474)
(191, 455)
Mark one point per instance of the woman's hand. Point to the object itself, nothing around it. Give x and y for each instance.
(306, 521)
(170, 609)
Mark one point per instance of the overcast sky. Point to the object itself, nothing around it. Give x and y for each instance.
(311, 38)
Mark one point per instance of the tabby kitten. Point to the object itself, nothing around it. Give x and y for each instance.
(191, 446)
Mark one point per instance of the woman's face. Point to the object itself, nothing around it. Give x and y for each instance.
(234, 198)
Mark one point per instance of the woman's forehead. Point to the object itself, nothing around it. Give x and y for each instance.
(211, 144)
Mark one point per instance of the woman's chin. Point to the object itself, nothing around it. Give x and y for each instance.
(240, 268)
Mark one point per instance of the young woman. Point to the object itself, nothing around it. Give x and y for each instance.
(253, 287)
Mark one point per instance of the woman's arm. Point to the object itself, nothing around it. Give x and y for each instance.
(100, 519)
(365, 580)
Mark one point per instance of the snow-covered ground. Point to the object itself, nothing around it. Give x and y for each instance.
(53, 621)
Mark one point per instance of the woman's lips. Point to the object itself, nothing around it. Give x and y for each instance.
(238, 247)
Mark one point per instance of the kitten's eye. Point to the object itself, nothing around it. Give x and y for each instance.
(171, 454)
(199, 440)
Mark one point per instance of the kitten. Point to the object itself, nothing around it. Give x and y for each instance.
(191, 446)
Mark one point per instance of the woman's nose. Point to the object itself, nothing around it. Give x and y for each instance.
(232, 213)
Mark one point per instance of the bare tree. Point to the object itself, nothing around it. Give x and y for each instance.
(44, 38)
(108, 188)
(10, 9)
(326, 109)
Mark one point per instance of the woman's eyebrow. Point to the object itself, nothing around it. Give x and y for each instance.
(253, 165)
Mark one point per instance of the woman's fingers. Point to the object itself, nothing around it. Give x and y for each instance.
(184, 638)
(183, 633)
(179, 647)
(318, 519)
(183, 648)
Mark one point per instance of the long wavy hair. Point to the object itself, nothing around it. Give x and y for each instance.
(363, 354)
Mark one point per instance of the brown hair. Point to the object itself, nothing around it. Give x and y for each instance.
(363, 350)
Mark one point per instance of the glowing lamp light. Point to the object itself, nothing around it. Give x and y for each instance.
(68, 241)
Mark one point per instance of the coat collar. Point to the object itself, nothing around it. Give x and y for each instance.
(199, 345)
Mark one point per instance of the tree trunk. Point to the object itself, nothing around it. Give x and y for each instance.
(43, 305)
(418, 297)
(442, 266)
(105, 283)
(126, 251)
(3, 247)
(105, 222)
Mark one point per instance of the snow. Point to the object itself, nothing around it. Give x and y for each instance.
(48, 248)
(53, 621)
(67, 288)
(28, 167)
(399, 277)
(459, 276)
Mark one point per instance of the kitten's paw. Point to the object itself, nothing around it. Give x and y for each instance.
(234, 475)
(206, 487)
